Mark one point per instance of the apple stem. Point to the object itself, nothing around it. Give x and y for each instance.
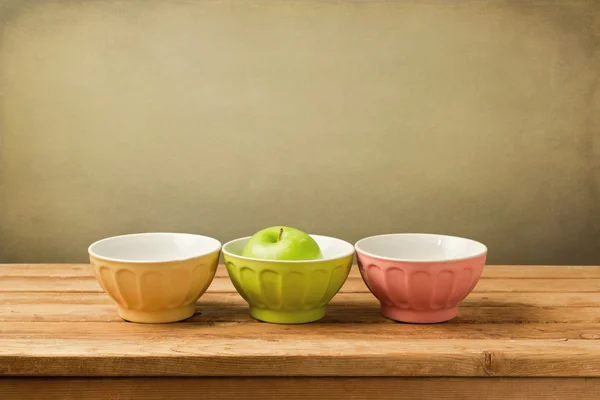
(280, 233)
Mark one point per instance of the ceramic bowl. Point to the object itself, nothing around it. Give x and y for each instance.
(289, 292)
(155, 277)
(420, 278)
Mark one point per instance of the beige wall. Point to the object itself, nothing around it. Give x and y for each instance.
(346, 118)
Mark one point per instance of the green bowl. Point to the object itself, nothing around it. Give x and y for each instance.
(289, 292)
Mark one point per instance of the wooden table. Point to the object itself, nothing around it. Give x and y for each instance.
(524, 333)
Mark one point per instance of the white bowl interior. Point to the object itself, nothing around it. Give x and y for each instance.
(420, 247)
(331, 248)
(154, 247)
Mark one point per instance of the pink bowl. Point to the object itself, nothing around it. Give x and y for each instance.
(420, 278)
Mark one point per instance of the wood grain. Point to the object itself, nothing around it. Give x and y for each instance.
(301, 388)
(518, 322)
(201, 330)
(318, 357)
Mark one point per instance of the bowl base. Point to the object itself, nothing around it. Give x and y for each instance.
(287, 317)
(418, 316)
(158, 317)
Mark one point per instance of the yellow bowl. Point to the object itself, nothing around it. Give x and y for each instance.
(289, 292)
(155, 277)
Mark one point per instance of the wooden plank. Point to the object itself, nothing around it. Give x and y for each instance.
(57, 284)
(120, 330)
(540, 271)
(344, 308)
(301, 388)
(533, 285)
(82, 284)
(307, 357)
(542, 327)
(45, 270)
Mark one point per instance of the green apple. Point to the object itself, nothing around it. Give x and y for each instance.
(282, 243)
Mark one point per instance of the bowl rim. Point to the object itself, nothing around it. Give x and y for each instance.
(218, 244)
(419, 261)
(321, 260)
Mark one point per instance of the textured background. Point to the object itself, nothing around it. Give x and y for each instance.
(345, 118)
